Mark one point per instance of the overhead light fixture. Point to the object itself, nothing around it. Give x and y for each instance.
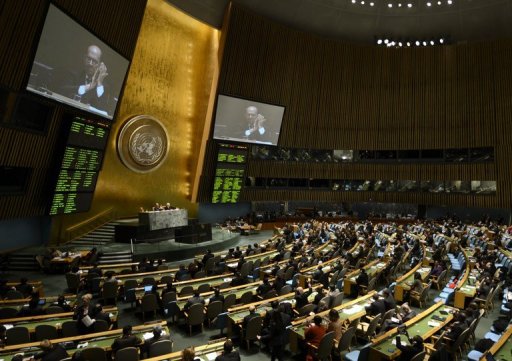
(371, 4)
(409, 5)
(408, 44)
(439, 3)
(429, 4)
(379, 41)
(390, 5)
(386, 41)
(424, 43)
(441, 41)
(449, 2)
(418, 43)
(432, 42)
(362, 2)
(399, 5)
(399, 43)
(353, 1)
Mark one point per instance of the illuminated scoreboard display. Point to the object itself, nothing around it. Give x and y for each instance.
(79, 167)
(229, 173)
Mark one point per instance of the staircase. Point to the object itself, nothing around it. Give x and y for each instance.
(22, 262)
(97, 238)
(115, 257)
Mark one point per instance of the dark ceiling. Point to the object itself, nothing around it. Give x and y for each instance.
(463, 20)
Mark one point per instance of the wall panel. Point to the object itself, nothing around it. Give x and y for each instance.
(348, 96)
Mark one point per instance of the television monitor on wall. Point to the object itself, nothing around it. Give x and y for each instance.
(74, 67)
(248, 121)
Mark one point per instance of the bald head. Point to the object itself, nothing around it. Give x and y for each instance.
(92, 59)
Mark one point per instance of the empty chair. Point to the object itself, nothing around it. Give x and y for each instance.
(166, 279)
(306, 309)
(285, 290)
(51, 310)
(109, 292)
(73, 282)
(46, 332)
(8, 312)
(148, 281)
(128, 354)
(195, 316)
(17, 335)
(94, 353)
(160, 348)
(270, 294)
(229, 301)
(204, 288)
(346, 341)
(130, 295)
(213, 310)
(186, 290)
(172, 310)
(246, 298)
(101, 326)
(200, 274)
(168, 297)
(69, 329)
(252, 330)
(130, 284)
(14, 295)
(149, 303)
(367, 330)
(338, 300)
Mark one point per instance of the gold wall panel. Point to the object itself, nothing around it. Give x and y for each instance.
(170, 79)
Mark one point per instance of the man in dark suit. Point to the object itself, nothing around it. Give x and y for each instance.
(301, 297)
(217, 296)
(126, 340)
(376, 307)
(51, 352)
(407, 352)
(252, 314)
(262, 289)
(362, 279)
(196, 298)
(158, 335)
(389, 300)
(228, 354)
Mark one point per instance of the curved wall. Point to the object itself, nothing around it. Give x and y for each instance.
(346, 96)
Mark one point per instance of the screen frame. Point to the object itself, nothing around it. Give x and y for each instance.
(32, 58)
(236, 141)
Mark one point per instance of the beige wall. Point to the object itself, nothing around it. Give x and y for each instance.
(170, 78)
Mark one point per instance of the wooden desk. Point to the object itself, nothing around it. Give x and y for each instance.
(99, 339)
(383, 346)
(372, 269)
(464, 289)
(55, 320)
(18, 304)
(68, 259)
(348, 311)
(502, 350)
(37, 285)
(202, 352)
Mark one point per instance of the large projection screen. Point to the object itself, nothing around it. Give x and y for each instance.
(248, 121)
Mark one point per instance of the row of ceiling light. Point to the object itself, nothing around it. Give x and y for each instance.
(399, 43)
(403, 4)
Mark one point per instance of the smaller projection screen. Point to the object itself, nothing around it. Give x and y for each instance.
(74, 67)
(247, 121)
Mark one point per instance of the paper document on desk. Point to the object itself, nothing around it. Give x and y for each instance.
(227, 279)
(353, 309)
(395, 320)
(147, 335)
(434, 324)
(211, 356)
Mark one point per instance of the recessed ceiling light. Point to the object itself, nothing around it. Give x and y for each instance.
(386, 41)
(379, 41)
(409, 5)
(353, 1)
(399, 43)
(390, 5)
(399, 5)
(439, 3)
(441, 41)
(408, 44)
(424, 43)
(418, 43)
(429, 4)
(362, 2)
(371, 4)
(449, 2)
(432, 42)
